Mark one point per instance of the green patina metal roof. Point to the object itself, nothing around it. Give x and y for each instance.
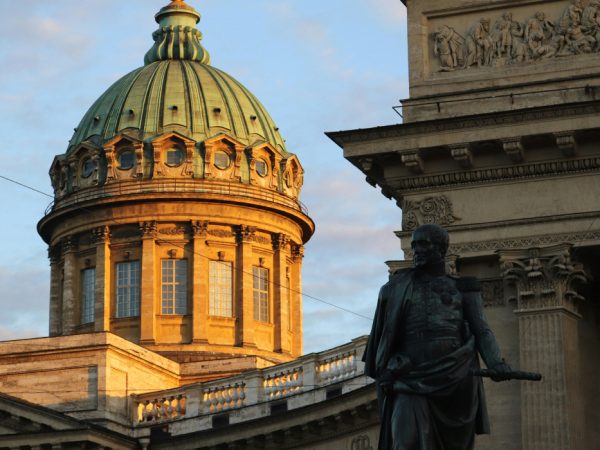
(177, 90)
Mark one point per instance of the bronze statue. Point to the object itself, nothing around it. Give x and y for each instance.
(422, 352)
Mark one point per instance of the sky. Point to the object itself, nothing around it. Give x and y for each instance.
(316, 65)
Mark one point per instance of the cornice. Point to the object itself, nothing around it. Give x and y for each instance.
(505, 173)
(464, 122)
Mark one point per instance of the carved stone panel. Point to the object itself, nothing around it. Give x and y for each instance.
(436, 209)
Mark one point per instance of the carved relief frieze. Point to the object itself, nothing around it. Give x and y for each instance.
(437, 210)
(544, 277)
(505, 40)
(172, 231)
(263, 240)
(220, 233)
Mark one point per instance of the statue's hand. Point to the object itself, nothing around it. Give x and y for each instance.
(501, 371)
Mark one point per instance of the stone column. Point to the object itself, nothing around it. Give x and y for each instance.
(102, 312)
(200, 284)
(552, 410)
(70, 288)
(148, 281)
(55, 322)
(296, 298)
(280, 291)
(244, 294)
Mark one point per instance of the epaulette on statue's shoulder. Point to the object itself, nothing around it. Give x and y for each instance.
(468, 284)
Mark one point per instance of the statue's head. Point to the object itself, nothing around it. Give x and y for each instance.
(429, 245)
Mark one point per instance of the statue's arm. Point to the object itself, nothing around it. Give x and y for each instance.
(475, 317)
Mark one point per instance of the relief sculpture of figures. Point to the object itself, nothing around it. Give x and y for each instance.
(539, 35)
(449, 47)
(510, 41)
(590, 21)
(480, 45)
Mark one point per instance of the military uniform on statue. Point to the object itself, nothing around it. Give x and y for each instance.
(422, 351)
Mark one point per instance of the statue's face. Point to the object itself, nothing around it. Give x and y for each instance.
(426, 250)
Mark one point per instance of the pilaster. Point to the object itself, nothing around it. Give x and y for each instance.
(200, 283)
(70, 278)
(55, 328)
(102, 313)
(543, 278)
(148, 281)
(280, 298)
(296, 298)
(244, 298)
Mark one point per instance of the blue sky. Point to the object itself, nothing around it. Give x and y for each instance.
(317, 65)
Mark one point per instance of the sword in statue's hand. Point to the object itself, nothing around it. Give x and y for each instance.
(512, 375)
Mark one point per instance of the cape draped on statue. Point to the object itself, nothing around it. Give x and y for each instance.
(437, 395)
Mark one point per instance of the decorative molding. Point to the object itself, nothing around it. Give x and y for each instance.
(221, 233)
(517, 243)
(544, 277)
(263, 240)
(505, 41)
(148, 229)
(454, 124)
(513, 147)
(462, 155)
(413, 161)
(567, 143)
(172, 231)
(437, 210)
(551, 168)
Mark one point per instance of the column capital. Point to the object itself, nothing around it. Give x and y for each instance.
(245, 233)
(68, 244)
(54, 254)
(545, 277)
(200, 228)
(280, 241)
(297, 252)
(148, 229)
(101, 235)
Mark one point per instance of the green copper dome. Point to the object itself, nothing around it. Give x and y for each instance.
(177, 90)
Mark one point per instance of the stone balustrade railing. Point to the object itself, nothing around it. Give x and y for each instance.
(311, 373)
